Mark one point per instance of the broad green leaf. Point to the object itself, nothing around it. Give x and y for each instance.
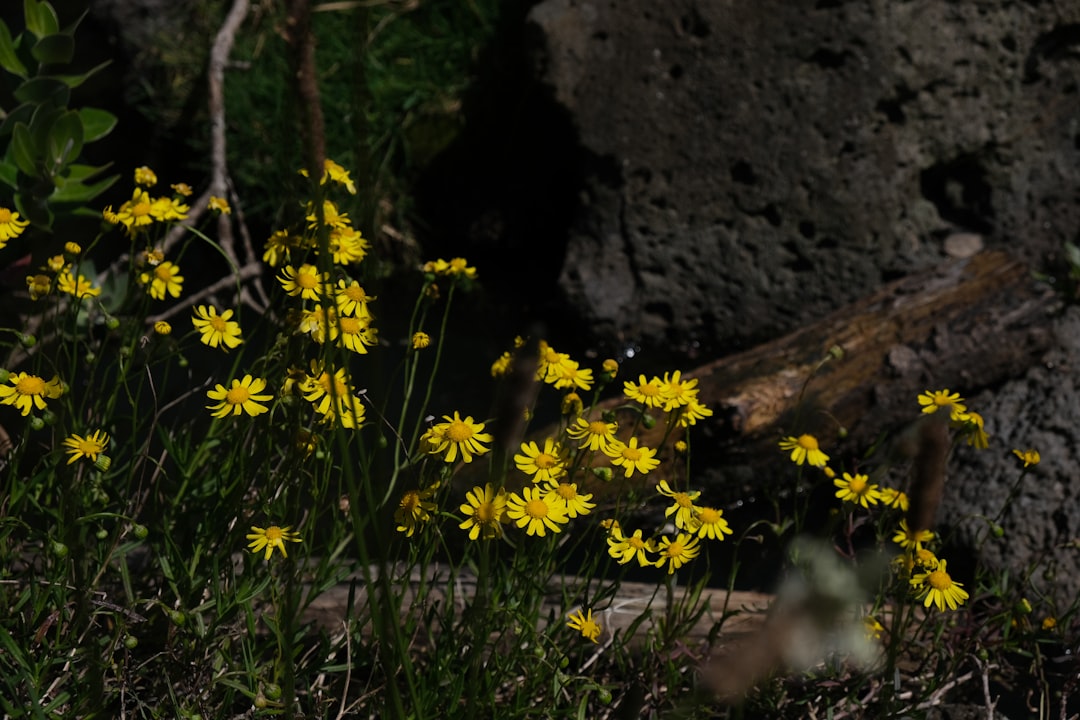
(74, 81)
(24, 153)
(34, 209)
(96, 123)
(40, 89)
(22, 114)
(40, 18)
(41, 124)
(9, 175)
(8, 59)
(80, 173)
(55, 49)
(77, 192)
(65, 139)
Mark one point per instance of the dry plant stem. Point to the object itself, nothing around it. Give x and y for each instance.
(251, 270)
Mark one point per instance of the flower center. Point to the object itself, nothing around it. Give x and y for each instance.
(30, 385)
(273, 534)
(218, 323)
(709, 516)
(566, 491)
(536, 509)
(459, 431)
(545, 461)
(808, 442)
(857, 484)
(5, 215)
(649, 390)
(237, 395)
(306, 280)
(410, 500)
(598, 427)
(355, 293)
(485, 512)
(939, 580)
(140, 210)
(349, 326)
(631, 454)
(683, 500)
(635, 542)
(675, 549)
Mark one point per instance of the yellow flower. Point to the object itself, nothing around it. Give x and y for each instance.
(182, 189)
(891, 497)
(683, 508)
(28, 392)
(164, 209)
(534, 512)
(676, 392)
(460, 436)
(585, 625)
(165, 278)
(567, 495)
(332, 396)
(86, 447)
(304, 281)
(934, 400)
(242, 397)
(145, 176)
(270, 538)
(351, 299)
(214, 329)
(356, 334)
(39, 286)
(81, 288)
(711, 524)
(347, 245)
(677, 552)
(72, 248)
(630, 457)
(1028, 457)
(938, 588)
(484, 511)
(413, 509)
(692, 412)
(420, 340)
(571, 405)
(624, 549)
(646, 392)
(857, 489)
(219, 204)
(804, 449)
(500, 366)
(162, 328)
(11, 225)
(331, 216)
(909, 540)
(134, 214)
(547, 465)
(972, 428)
(339, 175)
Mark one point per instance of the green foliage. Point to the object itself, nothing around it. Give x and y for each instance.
(45, 137)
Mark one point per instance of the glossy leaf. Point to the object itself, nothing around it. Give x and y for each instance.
(8, 59)
(41, 19)
(9, 174)
(74, 81)
(40, 89)
(65, 139)
(24, 153)
(22, 114)
(56, 49)
(77, 192)
(96, 123)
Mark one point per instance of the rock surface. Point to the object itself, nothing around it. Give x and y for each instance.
(755, 165)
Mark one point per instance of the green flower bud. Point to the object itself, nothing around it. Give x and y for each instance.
(112, 323)
(103, 462)
(131, 642)
(1023, 607)
(139, 531)
(36, 423)
(90, 356)
(27, 340)
(604, 696)
(602, 473)
(102, 534)
(997, 531)
(177, 617)
(648, 421)
(59, 549)
(49, 418)
(4, 375)
(273, 691)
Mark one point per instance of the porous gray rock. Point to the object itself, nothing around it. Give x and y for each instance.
(755, 165)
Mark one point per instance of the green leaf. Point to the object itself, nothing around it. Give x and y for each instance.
(25, 154)
(35, 210)
(22, 114)
(65, 141)
(54, 49)
(40, 18)
(80, 173)
(76, 192)
(96, 123)
(41, 89)
(8, 59)
(9, 175)
(74, 81)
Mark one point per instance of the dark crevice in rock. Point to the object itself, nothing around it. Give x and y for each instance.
(960, 191)
(1060, 43)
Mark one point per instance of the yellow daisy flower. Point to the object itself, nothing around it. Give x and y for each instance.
(676, 553)
(532, 511)
(711, 523)
(647, 392)
(86, 447)
(304, 281)
(630, 457)
(216, 330)
(420, 340)
(624, 549)
(804, 449)
(937, 587)
(351, 299)
(218, 204)
(165, 278)
(934, 400)
(80, 288)
(547, 465)
(1029, 457)
(414, 509)
(484, 510)
(683, 508)
(145, 176)
(585, 625)
(270, 538)
(566, 494)
(11, 225)
(28, 392)
(857, 489)
(909, 540)
(242, 397)
(464, 437)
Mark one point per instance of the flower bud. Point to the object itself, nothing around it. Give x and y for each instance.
(103, 463)
(139, 531)
(36, 423)
(58, 549)
(131, 642)
(27, 340)
(102, 534)
(273, 691)
(112, 323)
(602, 473)
(648, 421)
